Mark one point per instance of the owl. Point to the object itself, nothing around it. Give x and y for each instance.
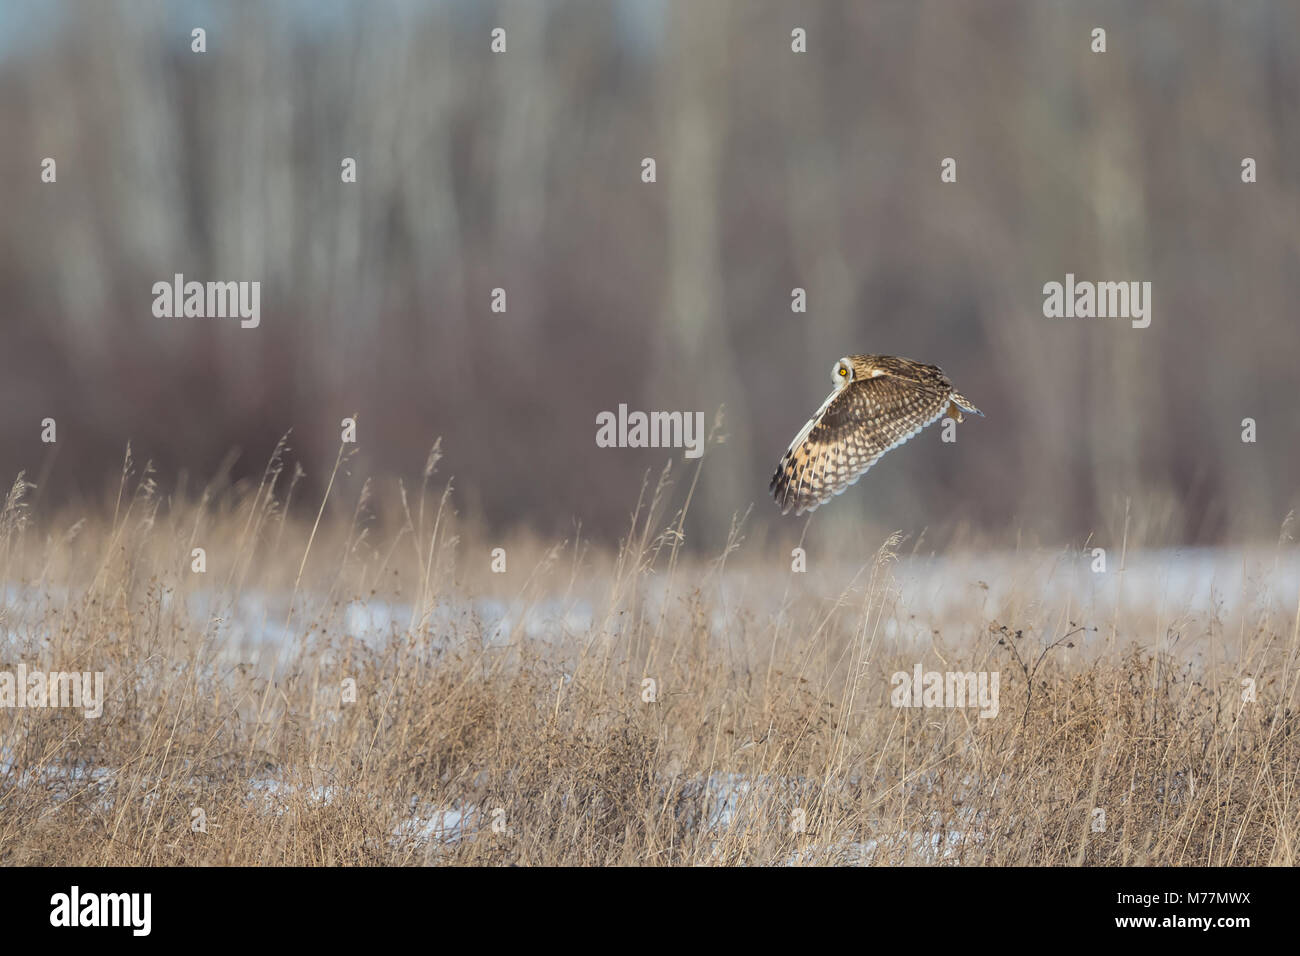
(879, 402)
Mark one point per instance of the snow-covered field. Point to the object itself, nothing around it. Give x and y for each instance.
(909, 608)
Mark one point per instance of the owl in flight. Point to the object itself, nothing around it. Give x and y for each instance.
(879, 402)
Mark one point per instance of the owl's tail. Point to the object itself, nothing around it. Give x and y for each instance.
(964, 403)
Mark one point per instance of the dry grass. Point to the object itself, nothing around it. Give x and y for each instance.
(482, 739)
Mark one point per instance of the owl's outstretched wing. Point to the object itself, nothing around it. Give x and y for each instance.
(853, 428)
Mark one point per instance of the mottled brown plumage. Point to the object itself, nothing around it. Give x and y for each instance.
(879, 402)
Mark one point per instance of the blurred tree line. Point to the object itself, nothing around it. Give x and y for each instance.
(776, 170)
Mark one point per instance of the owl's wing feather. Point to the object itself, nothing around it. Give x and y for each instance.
(853, 428)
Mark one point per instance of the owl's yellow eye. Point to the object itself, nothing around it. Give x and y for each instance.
(843, 371)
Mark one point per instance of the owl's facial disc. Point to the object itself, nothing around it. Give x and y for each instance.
(842, 372)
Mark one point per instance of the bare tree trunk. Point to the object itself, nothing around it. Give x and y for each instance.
(696, 363)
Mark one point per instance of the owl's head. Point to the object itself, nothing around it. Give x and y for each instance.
(842, 372)
(856, 368)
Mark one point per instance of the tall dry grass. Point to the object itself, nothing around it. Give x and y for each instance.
(479, 737)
